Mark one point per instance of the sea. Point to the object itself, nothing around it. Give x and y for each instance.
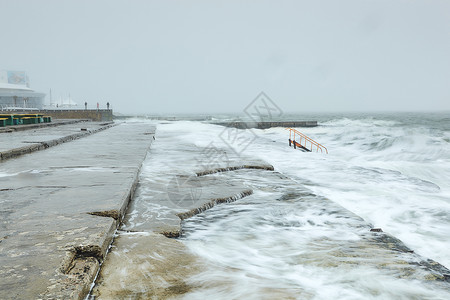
(303, 234)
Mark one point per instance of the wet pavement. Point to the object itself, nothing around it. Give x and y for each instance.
(145, 261)
(60, 207)
(16, 143)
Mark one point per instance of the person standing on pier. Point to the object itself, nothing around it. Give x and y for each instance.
(107, 105)
(85, 105)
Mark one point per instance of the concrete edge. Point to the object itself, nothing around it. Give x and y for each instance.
(119, 214)
(75, 262)
(214, 202)
(233, 168)
(173, 231)
(79, 268)
(83, 262)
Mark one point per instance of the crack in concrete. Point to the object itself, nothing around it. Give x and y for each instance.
(89, 251)
(114, 213)
(3, 238)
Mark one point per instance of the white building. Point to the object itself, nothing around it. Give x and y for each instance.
(15, 92)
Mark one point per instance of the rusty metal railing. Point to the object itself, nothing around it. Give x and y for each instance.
(304, 141)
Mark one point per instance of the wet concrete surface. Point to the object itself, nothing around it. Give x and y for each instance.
(144, 263)
(52, 234)
(325, 236)
(188, 196)
(153, 267)
(17, 143)
(55, 122)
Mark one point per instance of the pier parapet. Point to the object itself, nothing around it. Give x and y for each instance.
(92, 114)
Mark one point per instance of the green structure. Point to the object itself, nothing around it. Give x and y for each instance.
(19, 119)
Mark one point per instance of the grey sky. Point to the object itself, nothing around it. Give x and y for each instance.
(216, 56)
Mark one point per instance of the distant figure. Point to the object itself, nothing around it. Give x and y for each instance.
(107, 105)
(85, 105)
(97, 106)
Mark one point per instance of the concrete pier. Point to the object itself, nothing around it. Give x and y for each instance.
(265, 125)
(61, 206)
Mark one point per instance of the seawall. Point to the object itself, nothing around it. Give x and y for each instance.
(92, 114)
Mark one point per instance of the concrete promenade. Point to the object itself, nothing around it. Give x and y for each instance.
(21, 139)
(60, 207)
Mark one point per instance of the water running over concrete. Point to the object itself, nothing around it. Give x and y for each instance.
(284, 242)
(144, 262)
(281, 241)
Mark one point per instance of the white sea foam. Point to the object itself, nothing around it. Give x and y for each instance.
(392, 174)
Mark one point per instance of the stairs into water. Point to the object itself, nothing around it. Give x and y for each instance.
(300, 141)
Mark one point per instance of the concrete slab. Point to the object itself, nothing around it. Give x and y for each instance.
(17, 143)
(23, 127)
(144, 262)
(185, 197)
(155, 262)
(16, 139)
(38, 256)
(51, 241)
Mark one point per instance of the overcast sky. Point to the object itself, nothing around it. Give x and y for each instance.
(216, 56)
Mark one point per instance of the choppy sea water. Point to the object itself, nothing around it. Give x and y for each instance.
(390, 170)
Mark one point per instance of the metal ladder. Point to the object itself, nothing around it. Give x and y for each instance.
(304, 142)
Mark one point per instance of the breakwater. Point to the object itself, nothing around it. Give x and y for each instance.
(265, 125)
